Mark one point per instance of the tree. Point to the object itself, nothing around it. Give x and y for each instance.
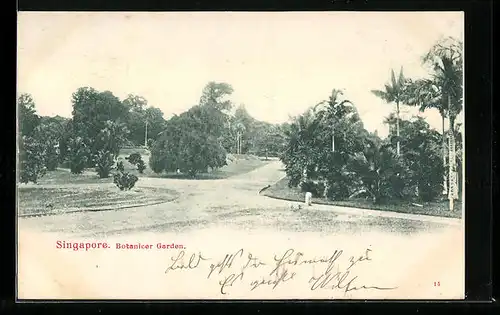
(97, 116)
(77, 154)
(422, 157)
(51, 131)
(214, 108)
(394, 93)
(186, 145)
(239, 129)
(426, 94)
(107, 146)
(378, 168)
(298, 156)
(31, 159)
(215, 94)
(27, 117)
(447, 63)
(443, 90)
(144, 122)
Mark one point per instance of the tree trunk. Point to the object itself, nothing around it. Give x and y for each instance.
(397, 128)
(445, 180)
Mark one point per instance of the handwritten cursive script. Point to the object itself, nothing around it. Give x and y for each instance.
(179, 263)
(242, 268)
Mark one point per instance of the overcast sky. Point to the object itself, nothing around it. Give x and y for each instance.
(278, 63)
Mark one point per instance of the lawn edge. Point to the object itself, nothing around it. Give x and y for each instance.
(264, 192)
(97, 209)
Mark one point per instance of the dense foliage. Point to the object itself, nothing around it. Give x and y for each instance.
(330, 154)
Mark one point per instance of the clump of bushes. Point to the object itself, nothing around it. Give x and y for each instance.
(136, 159)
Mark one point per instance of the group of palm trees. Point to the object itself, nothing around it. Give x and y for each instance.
(442, 90)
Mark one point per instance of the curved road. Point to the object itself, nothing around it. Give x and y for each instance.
(232, 202)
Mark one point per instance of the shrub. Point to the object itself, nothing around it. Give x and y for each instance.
(104, 162)
(124, 181)
(120, 167)
(77, 155)
(136, 159)
(315, 188)
(141, 166)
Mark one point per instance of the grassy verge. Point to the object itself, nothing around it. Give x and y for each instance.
(437, 208)
(237, 165)
(63, 176)
(40, 200)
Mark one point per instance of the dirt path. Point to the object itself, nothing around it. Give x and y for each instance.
(233, 202)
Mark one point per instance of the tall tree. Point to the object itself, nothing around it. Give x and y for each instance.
(426, 93)
(394, 93)
(446, 60)
(92, 113)
(443, 91)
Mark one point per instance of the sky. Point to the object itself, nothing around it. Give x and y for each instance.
(279, 63)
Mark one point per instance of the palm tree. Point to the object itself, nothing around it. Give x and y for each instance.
(394, 93)
(334, 110)
(443, 91)
(298, 155)
(239, 128)
(427, 93)
(446, 60)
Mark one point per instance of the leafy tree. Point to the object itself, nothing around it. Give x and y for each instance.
(394, 92)
(92, 112)
(107, 146)
(51, 131)
(187, 145)
(216, 95)
(141, 119)
(27, 117)
(77, 154)
(31, 159)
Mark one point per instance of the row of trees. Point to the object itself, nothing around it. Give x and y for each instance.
(100, 125)
(329, 152)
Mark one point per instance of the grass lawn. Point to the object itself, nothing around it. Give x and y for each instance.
(64, 176)
(237, 165)
(437, 208)
(40, 200)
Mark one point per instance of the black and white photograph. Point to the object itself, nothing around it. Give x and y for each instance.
(240, 155)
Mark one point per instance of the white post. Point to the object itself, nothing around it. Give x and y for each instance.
(308, 200)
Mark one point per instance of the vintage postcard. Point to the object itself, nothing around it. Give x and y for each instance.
(240, 155)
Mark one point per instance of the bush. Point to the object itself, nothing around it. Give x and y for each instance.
(120, 167)
(124, 181)
(104, 162)
(136, 159)
(315, 188)
(77, 155)
(141, 166)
